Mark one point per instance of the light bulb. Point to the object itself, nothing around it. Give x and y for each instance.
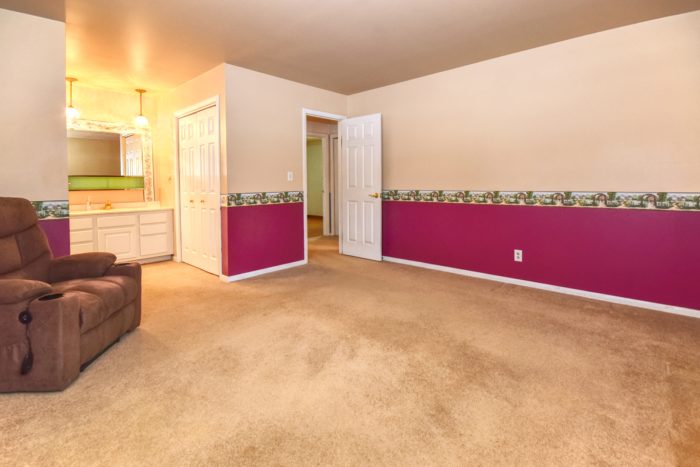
(72, 113)
(141, 120)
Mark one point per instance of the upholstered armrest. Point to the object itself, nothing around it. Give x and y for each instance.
(21, 290)
(55, 336)
(132, 270)
(81, 266)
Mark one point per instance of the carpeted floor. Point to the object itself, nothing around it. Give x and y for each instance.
(351, 362)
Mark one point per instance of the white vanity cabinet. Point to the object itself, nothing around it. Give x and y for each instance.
(141, 235)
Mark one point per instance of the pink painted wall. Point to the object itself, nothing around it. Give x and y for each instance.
(58, 234)
(259, 237)
(645, 255)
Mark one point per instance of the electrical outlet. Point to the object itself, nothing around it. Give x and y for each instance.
(290, 176)
(518, 256)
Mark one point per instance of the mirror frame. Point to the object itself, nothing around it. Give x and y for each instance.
(125, 128)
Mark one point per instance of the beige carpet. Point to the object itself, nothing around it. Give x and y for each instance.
(351, 362)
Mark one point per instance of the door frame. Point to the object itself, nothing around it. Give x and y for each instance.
(177, 115)
(310, 113)
(334, 158)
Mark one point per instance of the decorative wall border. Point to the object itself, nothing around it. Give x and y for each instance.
(261, 198)
(51, 209)
(587, 199)
(126, 129)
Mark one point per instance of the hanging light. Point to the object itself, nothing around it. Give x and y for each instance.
(71, 112)
(141, 119)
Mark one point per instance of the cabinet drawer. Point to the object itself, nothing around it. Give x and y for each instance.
(81, 223)
(115, 221)
(150, 229)
(154, 217)
(81, 236)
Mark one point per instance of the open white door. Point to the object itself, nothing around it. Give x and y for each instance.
(361, 187)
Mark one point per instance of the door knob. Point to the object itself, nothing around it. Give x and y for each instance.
(374, 195)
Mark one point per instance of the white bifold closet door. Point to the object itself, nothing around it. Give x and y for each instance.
(200, 218)
(361, 186)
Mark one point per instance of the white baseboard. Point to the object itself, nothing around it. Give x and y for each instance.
(676, 310)
(260, 272)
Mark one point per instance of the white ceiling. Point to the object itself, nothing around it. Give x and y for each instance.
(341, 45)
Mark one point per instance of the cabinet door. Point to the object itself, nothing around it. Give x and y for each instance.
(156, 236)
(122, 241)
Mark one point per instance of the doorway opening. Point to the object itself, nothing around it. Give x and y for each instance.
(321, 177)
(316, 146)
(352, 204)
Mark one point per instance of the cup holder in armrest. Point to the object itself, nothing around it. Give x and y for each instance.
(51, 296)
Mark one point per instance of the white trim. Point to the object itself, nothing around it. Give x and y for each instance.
(193, 109)
(676, 310)
(334, 163)
(310, 113)
(205, 104)
(319, 114)
(260, 272)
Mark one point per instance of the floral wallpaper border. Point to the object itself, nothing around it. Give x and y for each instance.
(51, 209)
(261, 198)
(589, 199)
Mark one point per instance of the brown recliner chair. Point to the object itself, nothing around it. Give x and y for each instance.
(56, 315)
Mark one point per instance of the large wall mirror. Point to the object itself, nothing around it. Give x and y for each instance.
(117, 155)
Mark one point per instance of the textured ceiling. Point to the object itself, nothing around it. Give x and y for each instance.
(341, 45)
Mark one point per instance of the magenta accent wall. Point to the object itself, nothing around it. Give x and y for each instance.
(58, 234)
(259, 237)
(645, 255)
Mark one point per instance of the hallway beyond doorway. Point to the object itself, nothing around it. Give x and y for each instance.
(315, 226)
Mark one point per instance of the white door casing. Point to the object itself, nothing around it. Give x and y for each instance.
(361, 186)
(198, 141)
(333, 199)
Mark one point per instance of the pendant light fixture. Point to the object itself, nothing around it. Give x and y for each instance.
(71, 112)
(141, 119)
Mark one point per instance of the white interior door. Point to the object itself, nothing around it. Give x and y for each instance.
(199, 189)
(361, 187)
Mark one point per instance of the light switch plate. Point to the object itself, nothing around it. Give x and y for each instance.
(290, 176)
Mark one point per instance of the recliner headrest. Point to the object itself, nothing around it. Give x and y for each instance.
(16, 215)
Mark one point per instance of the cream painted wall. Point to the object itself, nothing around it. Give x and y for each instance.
(107, 105)
(32, 116)
(264, 124)
(207, 85)
(613, 111)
